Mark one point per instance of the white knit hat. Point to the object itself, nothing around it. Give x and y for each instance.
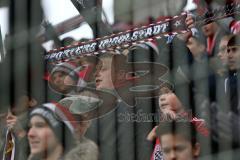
(57, 117)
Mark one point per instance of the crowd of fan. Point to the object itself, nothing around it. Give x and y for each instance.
(202, 77)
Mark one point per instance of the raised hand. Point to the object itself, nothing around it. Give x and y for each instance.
(11, 120)
(170, 104)
(190, 21)
(14, 125)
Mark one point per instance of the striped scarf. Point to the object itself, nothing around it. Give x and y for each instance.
(9, 148)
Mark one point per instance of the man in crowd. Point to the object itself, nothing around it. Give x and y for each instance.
(51, 132)
(86, 148)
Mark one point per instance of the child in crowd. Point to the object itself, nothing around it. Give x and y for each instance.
(178, 140)
(171, 108)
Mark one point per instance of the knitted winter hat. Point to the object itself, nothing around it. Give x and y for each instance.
(80, 106)
(69, 68)
(77, 73)
(59, 119)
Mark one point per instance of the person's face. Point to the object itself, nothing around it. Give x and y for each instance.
(222, 54)
(233, 53)
(61, 82)
(169, 104)
(209, 29)
(104, 76)
(41, 137)
(176, 147)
